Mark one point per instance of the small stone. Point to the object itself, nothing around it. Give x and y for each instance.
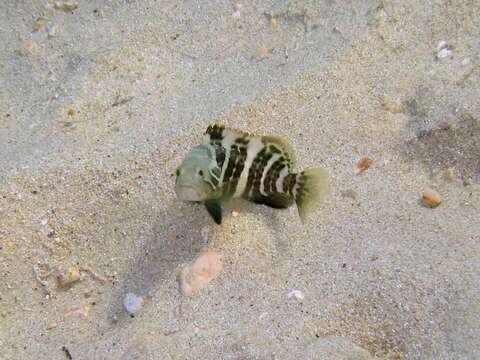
(68, 278)
(441, 45)
(71, 112)
(467, 182)
(273, 23)
(297, 294)
(235, 214)
(236, 15)
(66, 5)
(363, 165)
(195, 277)
(443, 50)
(444, 53)
(37, 26)
(52, 326)
(44, 222)
(431, 198)
(392, 105)
(132, 303)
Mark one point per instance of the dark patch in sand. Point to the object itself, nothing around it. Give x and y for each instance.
(454, 144)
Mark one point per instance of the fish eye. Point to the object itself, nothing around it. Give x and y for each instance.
(177, 172)
(200, 172)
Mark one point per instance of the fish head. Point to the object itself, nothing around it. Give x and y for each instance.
(194, 178)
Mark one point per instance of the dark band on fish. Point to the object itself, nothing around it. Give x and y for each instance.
(231, 148)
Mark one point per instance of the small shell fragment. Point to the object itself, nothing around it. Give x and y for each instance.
(273, 23)
(69, 277)
(37, 26)
(363, 165)
(443, 50)
(431, 198)
(80, 311)
(66, 5)
(297, 294)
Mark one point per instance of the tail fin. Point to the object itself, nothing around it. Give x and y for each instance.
(311, 188)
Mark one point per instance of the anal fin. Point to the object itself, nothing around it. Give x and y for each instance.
(276, 201)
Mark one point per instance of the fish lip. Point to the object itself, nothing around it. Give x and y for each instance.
(179, 189)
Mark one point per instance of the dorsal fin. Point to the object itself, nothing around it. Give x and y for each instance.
(217, 132)
(283, 145)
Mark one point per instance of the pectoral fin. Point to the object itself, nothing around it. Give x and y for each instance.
(214, 208)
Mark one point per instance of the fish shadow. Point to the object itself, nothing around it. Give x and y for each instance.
(176, 239)
(173, 241)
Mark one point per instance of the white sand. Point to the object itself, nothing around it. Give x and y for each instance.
(382, 275)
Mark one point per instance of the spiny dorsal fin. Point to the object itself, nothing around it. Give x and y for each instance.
(217, 131)
(283, 145)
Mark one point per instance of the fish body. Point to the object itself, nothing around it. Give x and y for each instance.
(231, 163)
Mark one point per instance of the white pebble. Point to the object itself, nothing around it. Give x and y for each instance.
(205, 231)
(132, 303)
(236, 15)
(444, 53)
(297, 294)
(235, 214)
(441, 45)
(44, 222)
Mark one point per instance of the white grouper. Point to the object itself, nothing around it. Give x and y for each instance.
(234, 164)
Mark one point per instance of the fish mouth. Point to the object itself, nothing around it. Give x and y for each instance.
(188, 193)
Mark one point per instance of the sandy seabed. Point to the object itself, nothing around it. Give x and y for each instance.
(101, 100)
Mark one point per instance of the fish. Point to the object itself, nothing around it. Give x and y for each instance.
(231, 163)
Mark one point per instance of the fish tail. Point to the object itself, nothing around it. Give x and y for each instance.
(311, 188)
